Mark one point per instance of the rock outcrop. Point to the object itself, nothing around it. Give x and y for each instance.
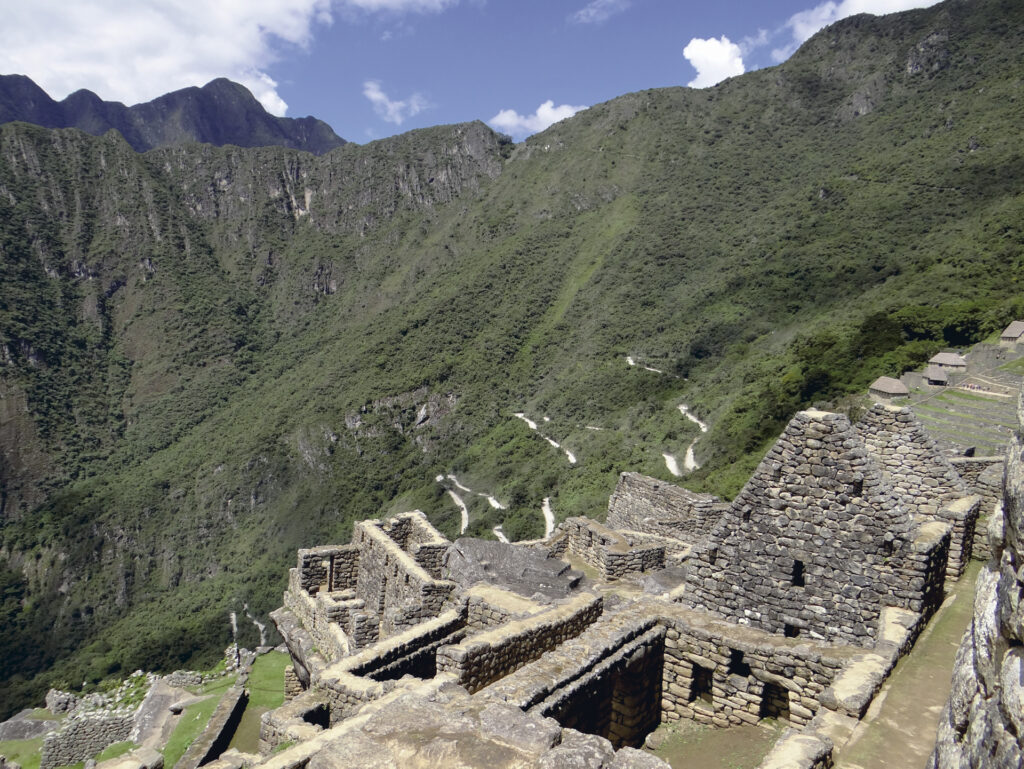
(983, 722)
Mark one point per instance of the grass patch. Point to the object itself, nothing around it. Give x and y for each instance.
(216, 686)
(266, 681)
(960, 394)
(24, 752)
(693, 746)
(191, 725)
(115, 750)
(266, 692)
(42, 714)
(247, 736)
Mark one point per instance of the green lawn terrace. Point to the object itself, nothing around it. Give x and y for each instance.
(975, 412)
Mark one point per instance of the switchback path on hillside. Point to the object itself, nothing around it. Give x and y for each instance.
(900, 726)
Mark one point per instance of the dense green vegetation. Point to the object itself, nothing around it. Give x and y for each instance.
(213, 356)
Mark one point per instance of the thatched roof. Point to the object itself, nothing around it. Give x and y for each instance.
(948, 359)
(886, 385)
(936, 374)
(1014, 331)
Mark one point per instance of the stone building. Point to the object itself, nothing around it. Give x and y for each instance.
(817, 542)
(792, 602)
(888, 388)
(951, 361)
(1012, 334)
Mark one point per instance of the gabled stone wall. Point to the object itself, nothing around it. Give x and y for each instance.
(390, 581)
(920, 476)
(816, 543)
(924, 481)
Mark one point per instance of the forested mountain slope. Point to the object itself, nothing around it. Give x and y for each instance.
(213, 356)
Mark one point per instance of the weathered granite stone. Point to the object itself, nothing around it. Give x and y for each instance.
(982, 724)
(22, 727)
(522, 570)
(578, 751)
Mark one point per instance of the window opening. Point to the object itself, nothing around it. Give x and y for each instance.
(737, 666)
(700, 689)
(798, 573)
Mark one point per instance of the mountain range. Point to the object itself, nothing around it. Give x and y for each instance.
(221, 112)
(213, 355)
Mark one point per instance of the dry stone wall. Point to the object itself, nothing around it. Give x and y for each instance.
(642, 503)
(816, 543)
(982, 725)
(83, 735)
(924, 481)
(724, 676)
(613, 553)
(491, 655)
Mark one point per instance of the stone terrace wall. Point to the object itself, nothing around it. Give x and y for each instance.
(646, 504)
(989, 486)
(816, 542)
(84, 735)
(349, 684)
(982, 724)
(970, 468)
(606, 681)
(962, 517)
(493, 654)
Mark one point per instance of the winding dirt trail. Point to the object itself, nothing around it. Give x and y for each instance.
(464, 511)
(549, 517)
(533, 426)
(690, 461)
(461, 503)
(672, 464)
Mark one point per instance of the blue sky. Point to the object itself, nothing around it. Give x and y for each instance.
(373, 68)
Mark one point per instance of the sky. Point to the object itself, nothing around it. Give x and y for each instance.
(374, 68)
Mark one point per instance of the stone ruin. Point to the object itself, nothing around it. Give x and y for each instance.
(792, 602)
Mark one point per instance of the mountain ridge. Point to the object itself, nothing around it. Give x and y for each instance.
(220, 112)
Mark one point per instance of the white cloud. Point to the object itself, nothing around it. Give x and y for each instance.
(714, 60)
(805, 23)
(401, 6)
(393, 111)
(510, 121)
(136, 51)
(598, 11)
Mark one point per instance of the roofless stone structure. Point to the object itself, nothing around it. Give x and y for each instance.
(817, 542)
(794, 601)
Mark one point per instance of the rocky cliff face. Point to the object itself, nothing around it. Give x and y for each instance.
(983, 722)
(221, 112)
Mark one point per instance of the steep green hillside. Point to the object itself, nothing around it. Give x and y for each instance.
(213, 356)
